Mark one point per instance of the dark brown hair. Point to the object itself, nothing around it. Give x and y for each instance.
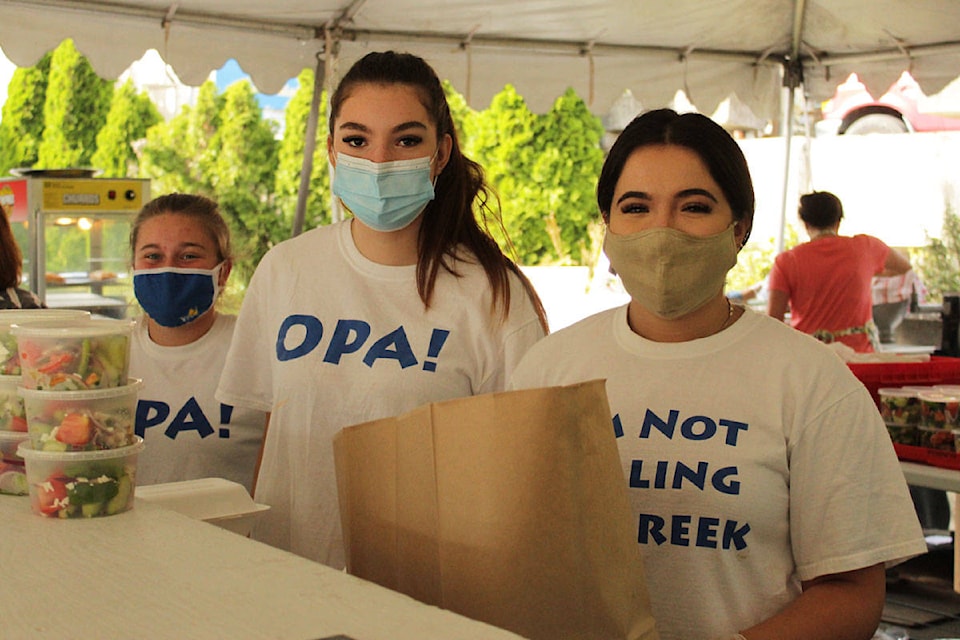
(200, 208)
(11, 259)
(449, 220)
(717, 148)
(820, 209)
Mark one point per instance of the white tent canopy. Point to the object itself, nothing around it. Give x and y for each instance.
(709, 48)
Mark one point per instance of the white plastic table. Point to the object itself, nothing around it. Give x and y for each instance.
(924, 475)
(152, 573)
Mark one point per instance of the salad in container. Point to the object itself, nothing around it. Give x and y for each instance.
(72, 356)
(13, 475)
(85, 484)
(937, 438)
(12, 417)
(938, 409)
(899, 406)
(9, 354)
(81, 420)
(903, 433)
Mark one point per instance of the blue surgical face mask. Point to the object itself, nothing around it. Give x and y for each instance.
(385, 196)
(173, 297)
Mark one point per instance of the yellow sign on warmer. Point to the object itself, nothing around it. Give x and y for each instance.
(95, 194)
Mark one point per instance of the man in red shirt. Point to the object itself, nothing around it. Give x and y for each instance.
(826, 282)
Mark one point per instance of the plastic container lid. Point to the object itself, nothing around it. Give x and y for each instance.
(10, 317)
(898, 392)
(938, 396)
(9, 383)
(132, 386)
(65, 328)
(949, 389)
(202, 498)
(27, 452)
(919, 388)
(15, 437)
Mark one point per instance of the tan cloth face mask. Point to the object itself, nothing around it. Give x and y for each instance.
(668, 272)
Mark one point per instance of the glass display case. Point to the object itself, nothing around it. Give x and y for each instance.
(73, 230)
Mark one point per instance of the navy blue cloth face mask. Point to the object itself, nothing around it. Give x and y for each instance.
(173, 297)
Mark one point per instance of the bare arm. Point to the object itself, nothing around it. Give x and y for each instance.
(777, 303)
(841, 606)
(896, 264)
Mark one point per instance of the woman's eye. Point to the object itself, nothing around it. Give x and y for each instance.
(697, 207)
(354, 141)
(409, 141)
(634, 207)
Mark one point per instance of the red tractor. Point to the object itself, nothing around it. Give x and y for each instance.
(852, 110)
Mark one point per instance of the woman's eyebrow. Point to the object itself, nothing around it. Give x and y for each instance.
(697, 192)
(354, 126)
(643, 195)
(406, 126)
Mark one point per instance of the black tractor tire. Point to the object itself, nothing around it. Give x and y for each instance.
(876, 123)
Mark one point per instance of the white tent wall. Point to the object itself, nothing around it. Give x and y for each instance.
(894, 187)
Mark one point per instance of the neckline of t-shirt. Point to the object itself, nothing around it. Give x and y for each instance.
(639, 345)
(366, 266)
(164, 352)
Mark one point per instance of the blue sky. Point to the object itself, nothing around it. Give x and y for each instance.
(226, 75)
(231, 72)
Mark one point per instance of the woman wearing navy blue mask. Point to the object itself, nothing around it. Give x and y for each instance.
(408, 301)
(181, 261)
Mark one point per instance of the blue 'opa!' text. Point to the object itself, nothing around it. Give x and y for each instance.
(300, 335)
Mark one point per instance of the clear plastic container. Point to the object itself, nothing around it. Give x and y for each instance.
(68, 355)
(12, 417)
(903, 433)
(13, 474)
(939, 410)
(899, 406)
(9, 355)
(936, 438)
(82, 484)
(81, 420)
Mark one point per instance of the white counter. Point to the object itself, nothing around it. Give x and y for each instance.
(924, 475)
(152, 573)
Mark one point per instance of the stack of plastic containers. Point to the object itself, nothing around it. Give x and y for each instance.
(939, 409)
(79, 405)
(922, 416)
(900, 408)
(13, 424)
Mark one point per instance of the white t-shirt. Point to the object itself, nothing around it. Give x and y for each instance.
(755, 459)
(187, 432)
(327, 339)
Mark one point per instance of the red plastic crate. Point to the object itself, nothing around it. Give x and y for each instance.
(939, 370)
(876, 375)
(910, 453)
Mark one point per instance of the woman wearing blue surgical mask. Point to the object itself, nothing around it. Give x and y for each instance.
(406, 302)
(181, 260)
(760, 473)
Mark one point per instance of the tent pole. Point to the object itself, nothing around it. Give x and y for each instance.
(331, 77)
(309, 146)
(787, 130)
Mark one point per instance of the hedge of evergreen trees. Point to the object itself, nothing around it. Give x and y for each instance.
(59, 114)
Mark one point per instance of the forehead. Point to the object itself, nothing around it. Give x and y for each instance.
(372, 104)
(666, 166)
(172, 229)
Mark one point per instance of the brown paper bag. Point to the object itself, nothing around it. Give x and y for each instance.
(510, 508)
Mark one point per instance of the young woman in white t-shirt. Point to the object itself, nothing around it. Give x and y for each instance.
(408, 301)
